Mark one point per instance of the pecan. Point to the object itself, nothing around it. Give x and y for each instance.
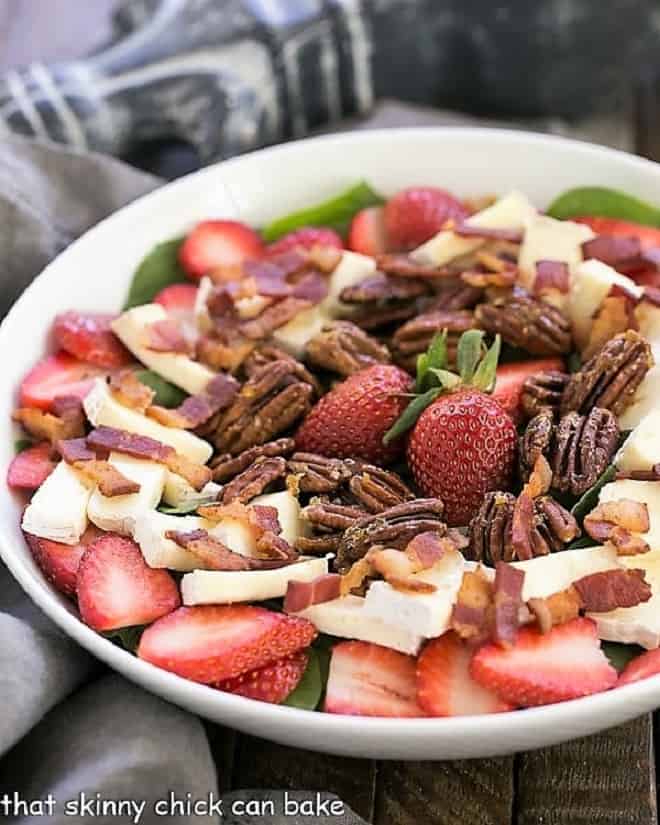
(375, 317)
(377, 489)
(226, 466)
(267, 353)
(543, 390)
(254, 480)
(329, 516)
(318, 545)
(318, 474)
(611, 377)
(525, 321)
(273, 317)
(414, 338)
(536, 441)
(381, 287)
(345, 348)
(269, 402)
(452, 294)
(490, 529)
(405, 267)
(393, 527)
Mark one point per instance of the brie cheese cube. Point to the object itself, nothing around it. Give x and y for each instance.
(131, 329)
(58, 509)
(347, 618)
(546, 575)
(288, 513)
(228, 587)
(648, 320)
(120, 513)
(647, 492)
(424, 614)
(642, 447)
(513, 211)
(201, 314)
(640, 624)
(352, 269)
(547, 239)
(104, 411)
(591, 282)
(645, 400)
(294, 336)
(180, 493)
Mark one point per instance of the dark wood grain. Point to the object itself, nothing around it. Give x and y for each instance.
(222, 742)
(261, 764)
(607, 779)
(647, 117)
(475, 792)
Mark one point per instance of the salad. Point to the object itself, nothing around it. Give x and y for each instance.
(380, 457)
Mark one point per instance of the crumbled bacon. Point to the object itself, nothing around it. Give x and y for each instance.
(652, 295)
(111, 482)
(556, 609)
(215, 555)
(273, 317)
(300, 595)
(640, 475)
(411, 585)
(47, 426)
(356, 575)
(262, 520)
(466, 230)
(540, 478)
(312, 287)
(611, 589)
(130, 391)
(627, 544)
(551, 276)
(522, 525)
(198, 409)
(627, 513)
(425, 549)
(502, 278)
(74, 449)
(616, 314)
(473, 614)
(615, 251)
(391, 563)
(167, 336)
(508, 601)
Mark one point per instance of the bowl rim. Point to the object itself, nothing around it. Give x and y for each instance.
(200, 698)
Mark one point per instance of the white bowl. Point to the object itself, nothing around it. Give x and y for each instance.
(94, 274)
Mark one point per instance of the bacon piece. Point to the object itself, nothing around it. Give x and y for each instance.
(167, 336)
(627, 513)
(262, 520)
(540, 479)
(312, 287)
(411, 585)
(640, 475)
(198, 409)
(508, 601)
(391, 563)
(652, 295)
(551, 275)
(501, 278)
(197, 475)
(269, 278)
(489, 233)
(273, 317)
(558, 608)
(522, 525)
(130, 391)
(425, 549)
(74, 449)
(610, 589)
(626, 544)
(615, 251)
(217, 556)
(111, 482)
(473, 614)
(356, 575)
(46, 426)
(395, 263)
(300, 595)
(615, 315)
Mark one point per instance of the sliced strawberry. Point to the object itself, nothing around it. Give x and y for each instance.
(647, 277)
(59, 562)
(370, 680)
(272, 683)
(444, 684)
(306, 237)
(511, 377)
(540, 669)
(214, 244)
(117, 589)
(210, 644)
(367, 232)
(415, 215)
(641, 667)
(30, 468)
(648, 235)
(88, 336)
(55, 376)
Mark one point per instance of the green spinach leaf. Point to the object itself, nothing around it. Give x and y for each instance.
(158, 269)
(606, 203)
(309, 690)
(589, 500)
(22, 444)
(620, 654)
(127, 637)
(167, 395)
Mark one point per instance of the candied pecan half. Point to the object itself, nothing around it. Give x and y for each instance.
(414, 338)
(453, 294)
(543, 390)
(396, 263)
(490, 529)
(226, 466)
(381, 287)
(254, 480)
(377, 489)
(536, 441)
(267, 353)
(525, 321)
(393, 527)
(269, 402)
(376, 317)
(611, 377)
(345, 348)
(330, 516)
(318, 474)
(540, 526)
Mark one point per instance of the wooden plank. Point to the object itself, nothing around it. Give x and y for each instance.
(608, 779)
(222, 742)
(647, 116)
(474, 792)
(261, 764)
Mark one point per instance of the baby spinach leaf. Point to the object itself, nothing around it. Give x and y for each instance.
(589, 500)
(581, 543)
(127, 637)
(574, 362)
(158, 269)
(606, 203)
(335, 213)
(182, 510)
(620, 654)
(22, 444)
(309, 690)
(167, 395)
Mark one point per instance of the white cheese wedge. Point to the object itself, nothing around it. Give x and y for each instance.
(513, 211)
(647, 492)
(591, 282)
(131, 329)
(641, 450)
(104, 411)
(424, 614)
(546, 575)
(120, 513)
(547, 239)
(347, 618)
(58, 510)
(294, 336)
(352, 269)
(288, 513)
(228, 587)
(646, 399)
(201, 315)
(648, 320)
(158, 551)
(640, 624)
(179, 493)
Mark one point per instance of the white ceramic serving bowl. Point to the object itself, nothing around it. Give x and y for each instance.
(94, 274)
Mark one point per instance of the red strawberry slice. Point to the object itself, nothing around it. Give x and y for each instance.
(178, 300)
(214, 244)
(59, 562)
(370, 680)
(210, 644)
(367, 233)
(641, 667)
(117, 589)
(540, 669)
(55, 376)
(415, 215)
(88, 336)
(647, 277)
(648, 235)
(30, 468)
(444, 684)
(306, 237)
(272, 683)
(511, 377)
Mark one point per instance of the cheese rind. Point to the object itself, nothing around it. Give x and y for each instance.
(549, 239)
(347, 618)
(131, 329)
(104, 411)
(546, 575)
(58, 509)
(641, 450)
(229, 587)
(646, 492)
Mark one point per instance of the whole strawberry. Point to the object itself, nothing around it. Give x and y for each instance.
(352, 419)
(462, 443)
